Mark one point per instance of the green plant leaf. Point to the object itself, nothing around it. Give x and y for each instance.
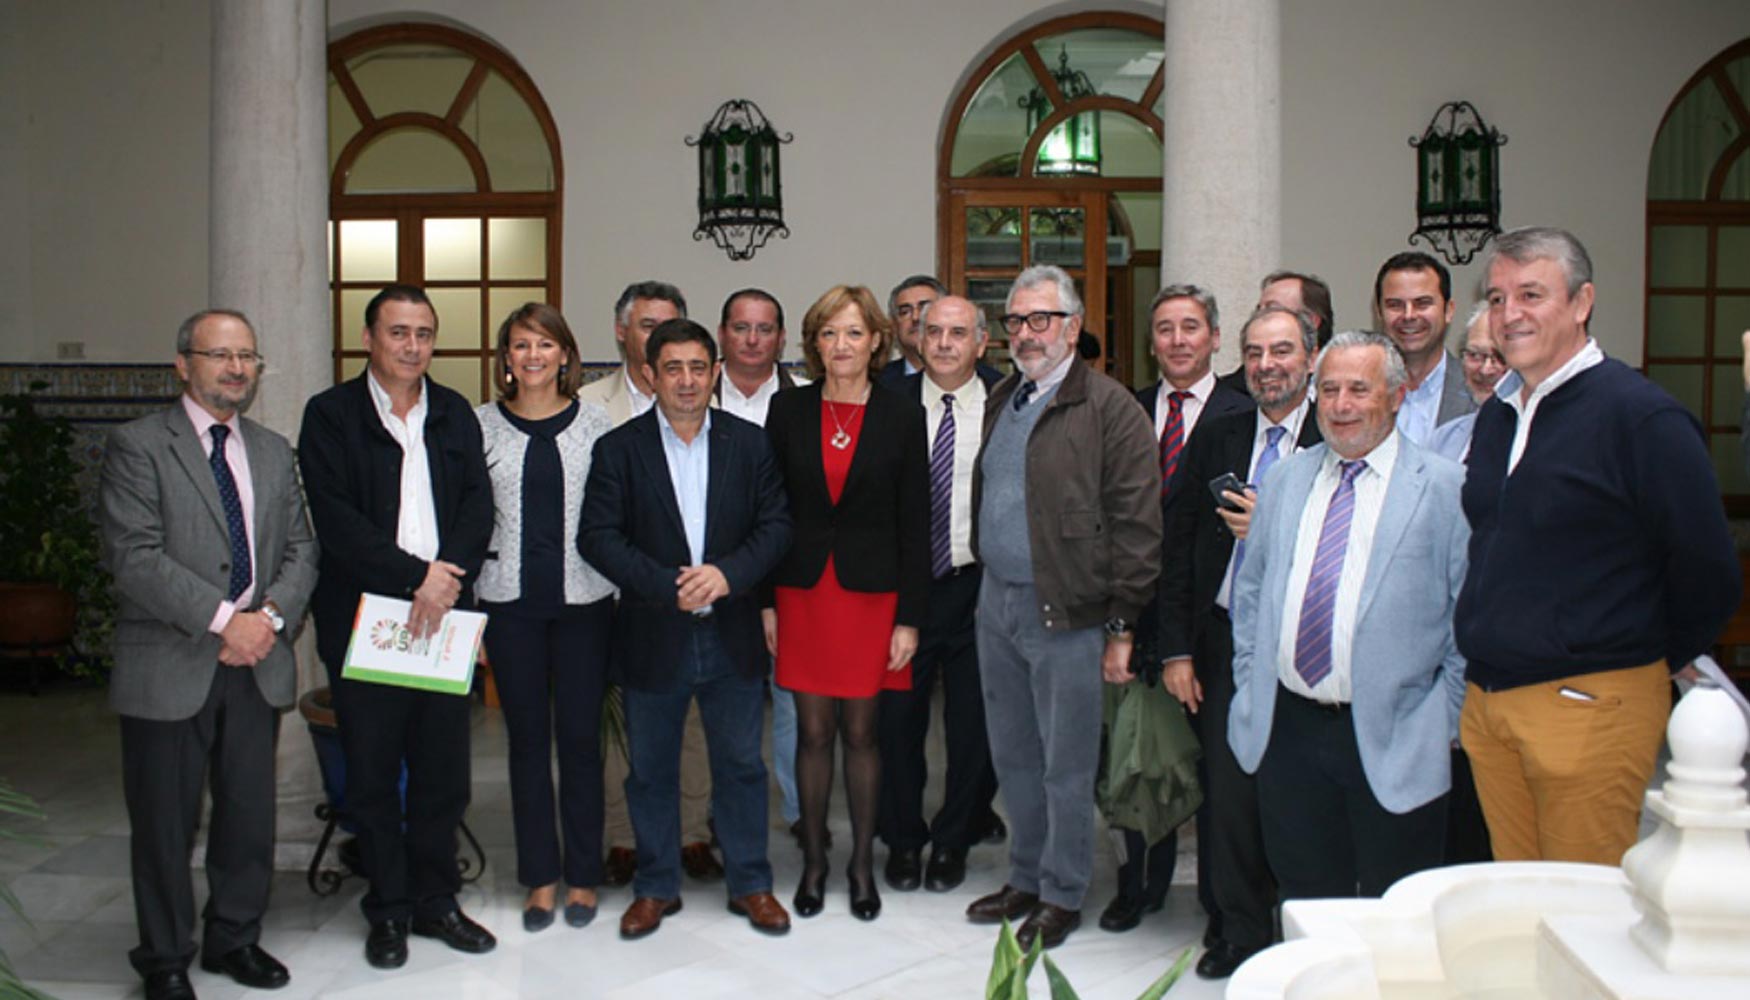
(1005, 959)
(1060, 987)
(1160, 986)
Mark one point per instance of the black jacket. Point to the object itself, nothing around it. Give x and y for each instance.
(879, 532)
(352, 478)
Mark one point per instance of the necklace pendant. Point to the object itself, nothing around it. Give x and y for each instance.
(840, 440)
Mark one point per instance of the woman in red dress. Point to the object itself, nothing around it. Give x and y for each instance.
(849, 597)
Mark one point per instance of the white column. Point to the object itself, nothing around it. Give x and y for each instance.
(1221, 177)
(269, 201)
(268, 244)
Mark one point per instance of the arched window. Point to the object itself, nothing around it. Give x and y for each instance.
(1698, 256)
(445, 172)
(1052, 155)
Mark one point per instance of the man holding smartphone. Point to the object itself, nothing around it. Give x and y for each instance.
(1196, 632)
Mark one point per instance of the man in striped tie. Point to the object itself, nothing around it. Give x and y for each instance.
(1348, 680)
(952, 390)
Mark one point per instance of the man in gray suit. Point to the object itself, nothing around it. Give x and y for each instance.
(1412, 303)
(1348, 681)
(205, 532)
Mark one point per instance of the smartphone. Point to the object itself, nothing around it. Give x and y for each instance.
(1224, 483)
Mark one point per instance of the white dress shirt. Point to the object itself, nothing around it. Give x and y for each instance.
(1370, 485)
(416, 531)
(1190, 408)
(968, 430)
(1285, 447)
(1421, 405)
(751, 408)
(1509, 391)
(641, 403)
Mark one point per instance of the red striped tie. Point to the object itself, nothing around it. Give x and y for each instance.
(1172, 437)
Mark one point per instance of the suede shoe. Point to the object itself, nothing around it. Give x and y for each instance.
(946, 870)
(386, 946)
(170, 984)
(456, 930)
(619, 866)
(699, 863)
(249, 966)
(1050, 924)
(1220, 961)
(905, 869)
(763, 911)
(1007, 903)
(645, 915)
(579, 914)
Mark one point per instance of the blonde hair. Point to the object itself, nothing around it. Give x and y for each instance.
(828, 306)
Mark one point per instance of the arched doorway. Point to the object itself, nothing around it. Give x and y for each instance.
(1698, 256)
(445, 172)
(1052, 155)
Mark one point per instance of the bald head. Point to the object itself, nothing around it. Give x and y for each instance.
(953, 339)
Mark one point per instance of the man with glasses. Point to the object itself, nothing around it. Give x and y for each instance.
(1067, 522)
(1483, 363)
(905, 306)
(205, 533)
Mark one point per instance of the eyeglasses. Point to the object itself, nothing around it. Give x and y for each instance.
(248, 359)
(1477, 357)
(1038, 322)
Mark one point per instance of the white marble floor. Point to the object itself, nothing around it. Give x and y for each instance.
(62, 749)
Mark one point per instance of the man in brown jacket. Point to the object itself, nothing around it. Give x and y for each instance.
(1069, 455)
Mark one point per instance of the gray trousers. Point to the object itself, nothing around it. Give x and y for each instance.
(1042, 712)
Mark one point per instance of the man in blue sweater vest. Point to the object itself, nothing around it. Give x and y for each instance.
(1599, 563)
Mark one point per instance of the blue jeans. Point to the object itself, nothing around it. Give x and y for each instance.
(784, 750)
(732, 708)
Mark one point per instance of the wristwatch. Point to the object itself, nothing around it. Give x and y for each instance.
(1118, 628)
(274, 618)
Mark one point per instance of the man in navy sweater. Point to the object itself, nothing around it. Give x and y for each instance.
(1599, 563)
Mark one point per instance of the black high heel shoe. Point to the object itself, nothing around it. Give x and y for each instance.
(809, 895)
(865, 898)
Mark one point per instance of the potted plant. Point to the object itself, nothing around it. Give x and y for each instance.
(54, 593)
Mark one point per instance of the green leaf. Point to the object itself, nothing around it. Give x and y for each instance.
(1004, 960)
(1060, 987)
(1160, 986)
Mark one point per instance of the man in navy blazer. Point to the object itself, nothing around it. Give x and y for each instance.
(1348, 680)
(684, 510)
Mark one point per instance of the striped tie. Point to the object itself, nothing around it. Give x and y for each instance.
(1272, 439)
(942, 493)
(1172, 437)
(1312, 641)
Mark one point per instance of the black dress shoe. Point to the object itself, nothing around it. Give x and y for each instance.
(905, 869)
(249, 966)
(1212, 932)
(169, 985)
(946, 870)
(865, 898)
(1122, 914)
(995, 832)
(1220, 961)
(386, 946)
(1050, 924)
(456, 930)
(810, 895)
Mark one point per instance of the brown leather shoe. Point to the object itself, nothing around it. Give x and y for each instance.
(1007, 903)
(1050, 924)
(645, 915)
(619, 866)
(763, 911)
(700, 863)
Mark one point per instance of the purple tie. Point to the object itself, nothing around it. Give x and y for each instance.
(942, 493)
(1312, 641)
(1272, 438)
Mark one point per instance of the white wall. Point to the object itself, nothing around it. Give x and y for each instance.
(104, 111)
(1579, 88)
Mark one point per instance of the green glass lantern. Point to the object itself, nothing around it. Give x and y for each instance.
(741, 201)
(1073, 147)
(1458, 182)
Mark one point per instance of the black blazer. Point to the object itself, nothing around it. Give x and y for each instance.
(1195, 535)
(352, 479)
(879, 532)
(631, 531)
(1222, 400)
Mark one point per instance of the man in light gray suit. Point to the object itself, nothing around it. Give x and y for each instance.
(205, 532)
(1348, 681)
(1412, 302)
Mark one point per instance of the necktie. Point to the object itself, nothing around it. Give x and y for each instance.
(1172, 437)
(1024, 393)
(1312, 640)
(942, 492)
(240, 568)
(1272, 439)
